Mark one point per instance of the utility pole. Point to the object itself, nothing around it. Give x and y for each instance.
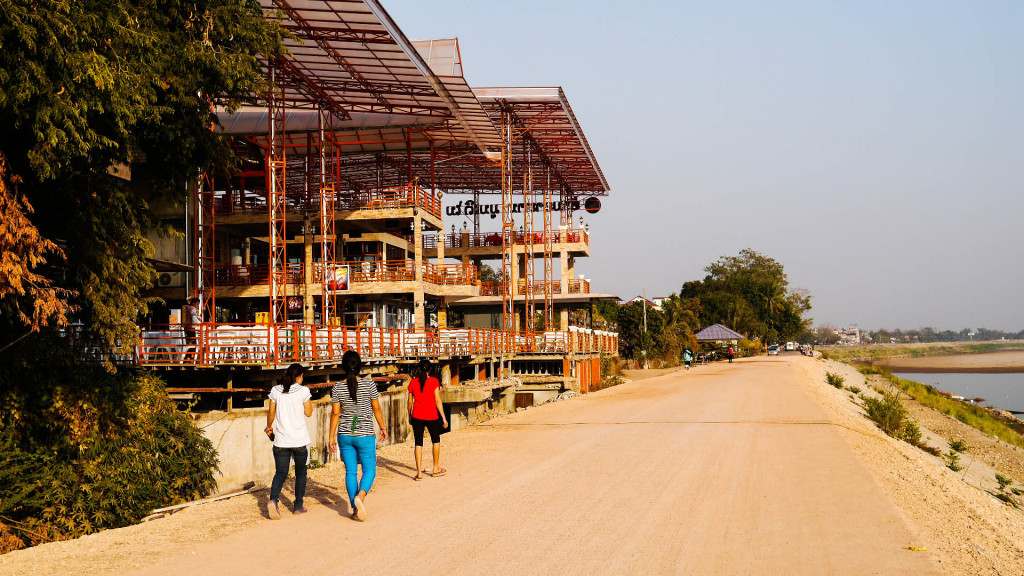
(647, 363)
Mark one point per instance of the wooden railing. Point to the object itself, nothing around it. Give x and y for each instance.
(360, 271)
(400, 197)
(274, 344)
(255, 274)
(574, 286)
(470, 240)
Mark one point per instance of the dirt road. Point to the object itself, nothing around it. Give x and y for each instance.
(727, 469)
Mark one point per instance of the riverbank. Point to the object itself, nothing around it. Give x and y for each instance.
(1001, 362)
(874, 353)
(967, 529)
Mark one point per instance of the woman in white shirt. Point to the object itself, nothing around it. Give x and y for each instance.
(290, 404)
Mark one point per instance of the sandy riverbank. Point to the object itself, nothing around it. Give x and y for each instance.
(986, 363)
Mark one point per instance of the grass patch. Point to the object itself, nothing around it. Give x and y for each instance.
(854, 389)
(834, 380)
(958, 445)
(1004, 483)
(952, 459)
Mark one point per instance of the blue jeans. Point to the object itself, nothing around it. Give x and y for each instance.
(361, 449)
(283, 457)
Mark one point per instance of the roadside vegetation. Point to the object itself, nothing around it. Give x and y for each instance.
(86, 90)
(83, 449)
(1008, 430)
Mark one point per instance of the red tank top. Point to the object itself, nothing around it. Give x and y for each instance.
(423, 406)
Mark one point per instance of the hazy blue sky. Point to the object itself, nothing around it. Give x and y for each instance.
(876, 149)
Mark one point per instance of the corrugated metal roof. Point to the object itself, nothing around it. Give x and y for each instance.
(718, 332)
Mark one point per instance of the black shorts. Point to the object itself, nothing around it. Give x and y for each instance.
(434, 426)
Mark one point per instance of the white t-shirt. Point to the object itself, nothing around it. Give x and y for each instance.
(290, 418)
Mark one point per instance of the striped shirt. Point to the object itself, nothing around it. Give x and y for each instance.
(356, 417)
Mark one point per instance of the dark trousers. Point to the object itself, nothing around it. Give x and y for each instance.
(432, 426)
(283, 457)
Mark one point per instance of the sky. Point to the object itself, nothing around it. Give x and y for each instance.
(875, 149)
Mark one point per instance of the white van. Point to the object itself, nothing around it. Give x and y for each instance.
(790, 346)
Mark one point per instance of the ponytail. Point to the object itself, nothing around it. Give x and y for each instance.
(291, 375)
(351, 362)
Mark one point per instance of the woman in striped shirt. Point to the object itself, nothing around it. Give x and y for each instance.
(356, 403)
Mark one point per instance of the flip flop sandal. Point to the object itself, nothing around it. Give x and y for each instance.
(442, 472)
(360, 509)
(417, 478)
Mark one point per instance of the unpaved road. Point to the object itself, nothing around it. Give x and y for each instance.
(727, 469)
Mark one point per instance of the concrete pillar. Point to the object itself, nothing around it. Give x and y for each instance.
(442, 314)
(440, 246)
(417, 248)
(307, 257)
(419, 310)
(419, 302)
(446, 375)
(563, 262)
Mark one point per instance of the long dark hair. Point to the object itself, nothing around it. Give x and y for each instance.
(351, 362)
(424, 367)
(291, 375)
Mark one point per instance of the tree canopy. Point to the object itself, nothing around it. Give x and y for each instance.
(89, 86)
(749, 293)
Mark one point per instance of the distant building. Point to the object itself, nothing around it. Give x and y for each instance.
(849, 335)
(655, 303)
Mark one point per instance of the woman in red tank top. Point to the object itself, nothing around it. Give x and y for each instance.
(426, 413)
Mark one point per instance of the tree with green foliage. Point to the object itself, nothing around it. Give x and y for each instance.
(636, 343)
(83, 449)
(87, 87)
(750, 293)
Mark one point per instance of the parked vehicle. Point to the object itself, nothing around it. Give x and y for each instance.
(773, 350)
(790, 346)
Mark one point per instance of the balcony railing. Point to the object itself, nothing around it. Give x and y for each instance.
(574, 286)
(232, 344)
(400, 197)
(469, 240)
(360, 271)
(256, 274)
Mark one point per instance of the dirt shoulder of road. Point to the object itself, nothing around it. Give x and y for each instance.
(968, 529)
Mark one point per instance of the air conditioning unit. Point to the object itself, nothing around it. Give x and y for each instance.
(169, 279)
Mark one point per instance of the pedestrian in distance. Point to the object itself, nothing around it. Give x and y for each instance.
(290, 405)
(356, 403)
(731, 354)
(687, 358)
(426, 412)
(193, 318)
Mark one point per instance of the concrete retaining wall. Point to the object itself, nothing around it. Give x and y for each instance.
(246, 453)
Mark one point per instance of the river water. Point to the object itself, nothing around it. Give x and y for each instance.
(1004, 391)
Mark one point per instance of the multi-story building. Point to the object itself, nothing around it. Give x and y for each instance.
(329, 233)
